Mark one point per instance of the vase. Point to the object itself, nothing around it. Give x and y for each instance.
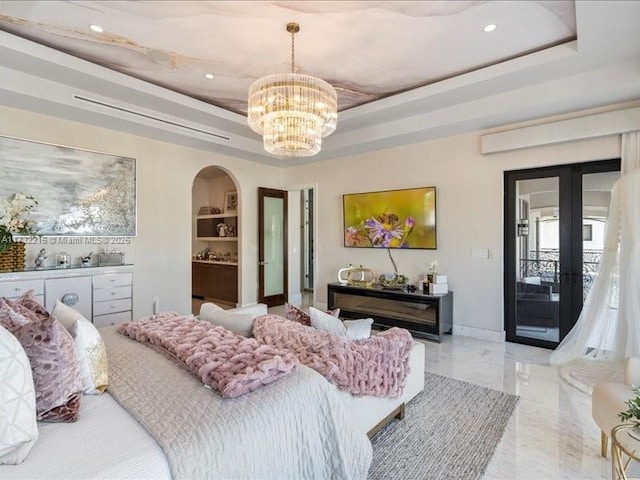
(13, 258)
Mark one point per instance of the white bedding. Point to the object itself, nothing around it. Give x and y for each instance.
(105, 444)
(295, 428)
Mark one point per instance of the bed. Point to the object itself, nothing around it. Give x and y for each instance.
(158, 421)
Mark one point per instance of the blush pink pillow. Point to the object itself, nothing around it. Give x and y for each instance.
(29, 301)
(14, 315)
(54, 366)
(293, 313)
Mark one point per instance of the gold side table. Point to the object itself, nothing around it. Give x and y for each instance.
(625, 449)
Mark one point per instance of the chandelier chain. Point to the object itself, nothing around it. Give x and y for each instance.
(293, 51)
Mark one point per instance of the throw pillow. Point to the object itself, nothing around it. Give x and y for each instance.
(293, 313)
(29, 301)
(89, 346)
(18, 426)
(238, 320)
(358, 329)
(325, 321)
(54, 367)
(14, 317)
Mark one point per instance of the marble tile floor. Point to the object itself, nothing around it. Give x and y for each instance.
(551, 435)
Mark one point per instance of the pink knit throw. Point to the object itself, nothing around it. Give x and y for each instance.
(229, 363)
(377, 366)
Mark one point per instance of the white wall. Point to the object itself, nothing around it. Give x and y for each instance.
(469, 208)
(469, 212)
(161, 251)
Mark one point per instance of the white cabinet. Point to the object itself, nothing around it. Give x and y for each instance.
(74, 292)
(112, 298)
(19, 287)
(102, 294)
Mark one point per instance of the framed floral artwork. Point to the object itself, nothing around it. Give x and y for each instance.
(391, 219)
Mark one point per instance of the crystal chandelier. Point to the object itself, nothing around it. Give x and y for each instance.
(292, 111)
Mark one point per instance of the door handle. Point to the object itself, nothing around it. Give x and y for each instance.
(263, 263)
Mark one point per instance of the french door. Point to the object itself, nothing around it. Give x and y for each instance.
(553, 235)
(272, 246)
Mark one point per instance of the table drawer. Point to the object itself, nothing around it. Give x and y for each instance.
(111, 319)
(115, 293)
(103, 308)
(18, 288)
(112, 280)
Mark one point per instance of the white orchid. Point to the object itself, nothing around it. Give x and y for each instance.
(14, 219)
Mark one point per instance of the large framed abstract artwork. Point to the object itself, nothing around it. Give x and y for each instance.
(79, 192)
(391, 219)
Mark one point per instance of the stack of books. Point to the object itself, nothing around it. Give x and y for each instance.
(438, 285)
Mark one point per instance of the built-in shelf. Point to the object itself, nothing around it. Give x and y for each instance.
(217, 239)
(217, 215)
(215, 262)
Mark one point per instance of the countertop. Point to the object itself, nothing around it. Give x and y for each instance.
(215, 262)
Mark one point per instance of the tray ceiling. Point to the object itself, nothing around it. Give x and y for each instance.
(366, 50)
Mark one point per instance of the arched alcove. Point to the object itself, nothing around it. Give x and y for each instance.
(215, 238)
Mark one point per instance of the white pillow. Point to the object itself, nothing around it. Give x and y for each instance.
(89, 346)
(358, 329)
(18, 425)
(326, 321)
(238, 320)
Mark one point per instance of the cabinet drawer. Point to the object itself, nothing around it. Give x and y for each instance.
(112, 280)
(74, 292)
(115, 293)
(103, 308)
(18, 288)
(111, 319)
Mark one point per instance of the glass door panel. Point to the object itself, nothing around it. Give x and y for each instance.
(273, 235)
(272, 246)
(596, 196)
(537, 262)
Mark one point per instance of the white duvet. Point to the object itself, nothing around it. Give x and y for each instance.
(295, 428)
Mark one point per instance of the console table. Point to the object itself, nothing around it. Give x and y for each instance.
(428, 316)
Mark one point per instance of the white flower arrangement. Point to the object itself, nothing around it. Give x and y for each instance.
(433, 266)
(14, 218)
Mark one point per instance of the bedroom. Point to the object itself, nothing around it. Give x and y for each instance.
(469, 184)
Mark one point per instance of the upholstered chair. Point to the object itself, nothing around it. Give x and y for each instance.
(609, 399)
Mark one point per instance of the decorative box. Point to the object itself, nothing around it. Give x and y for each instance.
(109, 259)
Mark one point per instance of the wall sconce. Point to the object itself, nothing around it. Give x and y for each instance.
(523, 227)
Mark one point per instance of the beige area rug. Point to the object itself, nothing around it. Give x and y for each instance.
(450, 431)
(583, 374)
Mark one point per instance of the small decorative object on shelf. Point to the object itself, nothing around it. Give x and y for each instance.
(63, 260)
(393, 281)
(231, 201)
(360, 277)
(39, 261)
(86, 261)
(226, 230)
(343, 274)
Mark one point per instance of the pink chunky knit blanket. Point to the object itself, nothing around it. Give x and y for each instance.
(377, 366)
(227, 362)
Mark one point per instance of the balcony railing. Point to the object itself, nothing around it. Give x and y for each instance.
(545, 264)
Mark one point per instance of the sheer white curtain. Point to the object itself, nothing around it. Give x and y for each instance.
(609, 326)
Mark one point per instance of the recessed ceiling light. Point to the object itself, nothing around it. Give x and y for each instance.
(209, 76)
(490, 28)
(96, 28)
